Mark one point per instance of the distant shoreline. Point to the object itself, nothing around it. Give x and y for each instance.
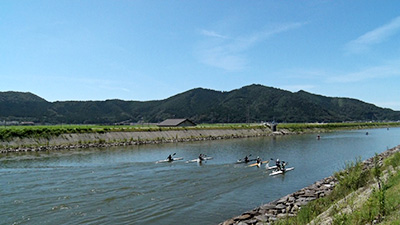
(54, 138)
(110, 139)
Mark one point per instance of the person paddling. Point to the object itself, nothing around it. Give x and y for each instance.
(246, 159)
(283, 165)
(169, 158)
(278, 164)
(259, 161)
(201, 157)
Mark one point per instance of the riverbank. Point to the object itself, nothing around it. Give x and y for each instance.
(109, 139)
(43, 138)
(290, 205)
(115, 173)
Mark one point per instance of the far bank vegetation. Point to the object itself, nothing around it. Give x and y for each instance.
(10, 132)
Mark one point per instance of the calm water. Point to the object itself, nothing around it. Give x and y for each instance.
(125, 186)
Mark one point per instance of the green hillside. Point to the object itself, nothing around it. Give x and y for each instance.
(248, 104)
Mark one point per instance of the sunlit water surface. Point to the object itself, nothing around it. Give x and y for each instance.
(124, 185)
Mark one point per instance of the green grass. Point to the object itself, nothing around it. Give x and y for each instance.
(350, 179)
(383, 205)
(9, 132)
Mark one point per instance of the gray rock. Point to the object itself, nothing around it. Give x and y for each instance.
(295, 208)
(301, 201)
(309, 194)
(252, 221)
(280, 206)
(262, 223)
(280, 216)
(242, 217)
(229, 222)
(268, 206)
(269, 215)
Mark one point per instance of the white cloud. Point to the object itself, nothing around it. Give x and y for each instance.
(222, 58)
(375, 36)
(229, 53)
(386, 70)
(212, 34)
(301, 73)
(390, 105)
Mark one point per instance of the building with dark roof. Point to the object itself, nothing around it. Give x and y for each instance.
(176, 123)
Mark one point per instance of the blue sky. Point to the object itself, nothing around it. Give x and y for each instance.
(150, 50)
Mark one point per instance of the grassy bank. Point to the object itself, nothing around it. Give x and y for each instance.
(325, 127)
(363, 196)
(10, 132)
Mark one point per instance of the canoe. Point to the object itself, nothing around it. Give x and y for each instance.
(270, 167)
(242, 161)
(166, 160)
(277, 172)
(258, 164)
(198, 160)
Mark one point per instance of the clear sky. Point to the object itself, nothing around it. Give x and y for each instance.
(151, 50)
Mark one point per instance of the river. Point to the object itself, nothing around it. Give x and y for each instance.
(124, 185)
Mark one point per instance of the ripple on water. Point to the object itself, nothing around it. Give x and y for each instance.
(97, 188)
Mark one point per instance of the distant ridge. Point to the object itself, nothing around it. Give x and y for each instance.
(251, 103)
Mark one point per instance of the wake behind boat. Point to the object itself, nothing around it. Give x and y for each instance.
(277, 172)
(244, 161)
(200, 159)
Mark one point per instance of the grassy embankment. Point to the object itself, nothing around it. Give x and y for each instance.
(9, 132)
(326, 127)
(361, 197)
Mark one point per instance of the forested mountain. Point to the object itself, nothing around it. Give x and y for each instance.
(248, 104)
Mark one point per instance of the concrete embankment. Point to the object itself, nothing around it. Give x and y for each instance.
(108, 139)
(290, 204)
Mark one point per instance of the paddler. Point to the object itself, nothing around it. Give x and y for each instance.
(278, 164)
(201, 157)
(169, 158)
(259, 161)
(246, 159)
(283, 165)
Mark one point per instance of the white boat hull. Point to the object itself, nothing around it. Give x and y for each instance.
(281, 172)
(198, 160)
(270, 167)
(166, 160)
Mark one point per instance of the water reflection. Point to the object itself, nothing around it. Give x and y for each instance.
(124, 185)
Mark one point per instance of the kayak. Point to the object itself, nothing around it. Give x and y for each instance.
(277, 172)
(167, 160)
(270, 167)
(243, 161)
(198, 160)
(258, 164)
